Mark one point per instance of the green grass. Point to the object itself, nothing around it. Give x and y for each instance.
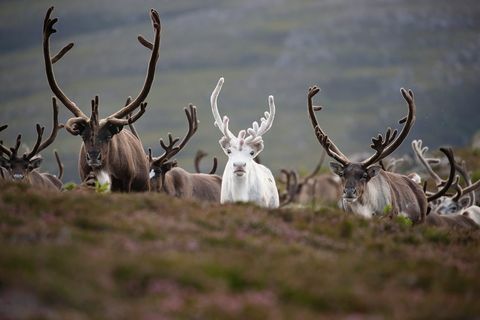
(119, 256)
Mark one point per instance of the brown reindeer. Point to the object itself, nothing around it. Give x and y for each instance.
(116, 156)
(25, 168)
(199, 156)
(323, 188)
(176, 181)
(367, 189)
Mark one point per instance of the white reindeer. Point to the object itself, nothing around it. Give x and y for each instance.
(245, 180)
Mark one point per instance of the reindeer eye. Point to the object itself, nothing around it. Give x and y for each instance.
(252, 153)
(365, 175)
(229, 151)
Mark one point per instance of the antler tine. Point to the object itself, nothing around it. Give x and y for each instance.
(449, 153)
(60, 165)
(198, 157)
(459, 191)
(420, 155)
(326, 143)
(317, 168)
(470, 188)
(14, 150)
(191, 113)
(130, 119)
(391, 143)
(150, 72)
(36, 148)
(4, 149)
(218, 121)
(265, 122)
(48, 30)
(170, 150)
(214, 167)
(56, 126)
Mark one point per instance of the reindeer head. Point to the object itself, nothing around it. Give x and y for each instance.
(241, 149)
(97, 133)
(355, 176)
(20, 167)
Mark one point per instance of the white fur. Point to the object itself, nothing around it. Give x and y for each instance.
(103, 178)
(243, 179)
(473, 212)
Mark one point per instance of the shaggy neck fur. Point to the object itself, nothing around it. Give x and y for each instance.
(256, 185)
(374, 199)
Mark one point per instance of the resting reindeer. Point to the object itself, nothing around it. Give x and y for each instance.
(198, 157)
(324, 188)
(463, 201)
(456, 220)
(116, 156)
(24, 168)
(367, 189)
(175, 181)
(244, 179)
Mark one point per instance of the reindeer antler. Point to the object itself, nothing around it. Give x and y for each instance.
(266, 122)
(471, 187)
(449, 153)
(39, 146)
(199, 156)
(326, 143)
(420, 153)
(151, 68)
(171, 149)
(385, 147)
(48, 30)
(221, 124)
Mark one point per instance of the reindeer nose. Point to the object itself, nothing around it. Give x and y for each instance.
(350, 192)
(99, 157)
(239, 164)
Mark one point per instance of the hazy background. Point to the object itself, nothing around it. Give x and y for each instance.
(359, 52)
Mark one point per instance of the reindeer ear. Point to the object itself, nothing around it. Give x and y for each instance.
(336, 168)
(464, 201)
(224, 143)
(257, 146)
(35, 162)
(372, 171)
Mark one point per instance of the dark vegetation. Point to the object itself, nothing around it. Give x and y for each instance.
(145, 256)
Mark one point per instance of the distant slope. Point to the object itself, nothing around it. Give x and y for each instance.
(359, 52)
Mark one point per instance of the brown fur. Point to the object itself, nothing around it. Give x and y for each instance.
(323, 188)
(407, 196)
(43, 180)
(196, 186)
(125, 163)
(451, 221)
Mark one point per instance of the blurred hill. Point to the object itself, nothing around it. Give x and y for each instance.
(359, 52)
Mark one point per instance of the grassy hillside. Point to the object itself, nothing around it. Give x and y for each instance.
(145, 256)
(359, 52)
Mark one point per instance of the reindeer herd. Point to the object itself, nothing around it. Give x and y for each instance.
(113, 155)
